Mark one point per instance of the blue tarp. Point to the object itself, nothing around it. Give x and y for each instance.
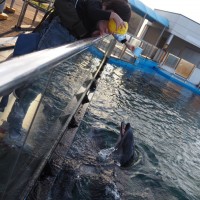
(142, 10)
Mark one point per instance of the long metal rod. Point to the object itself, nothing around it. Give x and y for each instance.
(140, 25)
(22, 14)
(18, 70)
(69, 111)
(158, 39)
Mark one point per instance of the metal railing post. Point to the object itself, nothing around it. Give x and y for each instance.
(22, 13)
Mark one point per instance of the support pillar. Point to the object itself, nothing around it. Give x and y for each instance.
(169, 39)
(10, 9)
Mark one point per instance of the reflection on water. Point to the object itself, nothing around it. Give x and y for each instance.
(167, 135)
(22, 155)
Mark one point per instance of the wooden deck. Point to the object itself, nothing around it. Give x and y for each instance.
(10, 29)
(7, 27)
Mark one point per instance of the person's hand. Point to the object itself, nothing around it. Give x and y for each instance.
(130, 46)
(119, 22)
(96, 33)
(102, 27)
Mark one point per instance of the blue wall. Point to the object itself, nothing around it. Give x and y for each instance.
(148, 66)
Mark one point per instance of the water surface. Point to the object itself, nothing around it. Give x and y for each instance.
(166, 121)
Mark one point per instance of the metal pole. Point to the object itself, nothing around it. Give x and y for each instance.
(22, 13)
(18, 70)
(36, 12)
(110, 48)
(12, 3)
(50, 4)
(160, 36)
(140, 25)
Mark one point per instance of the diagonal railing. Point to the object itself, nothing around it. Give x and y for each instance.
(18, 70)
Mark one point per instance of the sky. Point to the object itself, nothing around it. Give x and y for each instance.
(188, 8)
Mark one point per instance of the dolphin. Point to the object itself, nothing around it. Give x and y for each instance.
(125, 144)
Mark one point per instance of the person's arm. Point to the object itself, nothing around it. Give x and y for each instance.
(122, 39)
(95, 12)
(69, 17)
(129, 46)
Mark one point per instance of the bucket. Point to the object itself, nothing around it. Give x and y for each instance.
(137, 52)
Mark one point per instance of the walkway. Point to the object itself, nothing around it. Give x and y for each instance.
(8, 29)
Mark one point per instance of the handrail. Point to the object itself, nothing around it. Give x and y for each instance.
(14, 72)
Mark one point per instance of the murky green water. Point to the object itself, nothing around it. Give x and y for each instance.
(166, 125)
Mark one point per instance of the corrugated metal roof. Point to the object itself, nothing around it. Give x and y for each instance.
(142, 10)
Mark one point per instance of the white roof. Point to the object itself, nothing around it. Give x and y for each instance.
(182, 27)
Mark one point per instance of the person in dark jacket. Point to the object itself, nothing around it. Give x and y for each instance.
(125, 145)
(86, 19)
(63, 27)
(70, 22)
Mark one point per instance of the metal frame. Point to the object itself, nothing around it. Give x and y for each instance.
(18, 70)
(24, 8)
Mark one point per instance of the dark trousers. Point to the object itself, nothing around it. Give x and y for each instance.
(4, 101)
